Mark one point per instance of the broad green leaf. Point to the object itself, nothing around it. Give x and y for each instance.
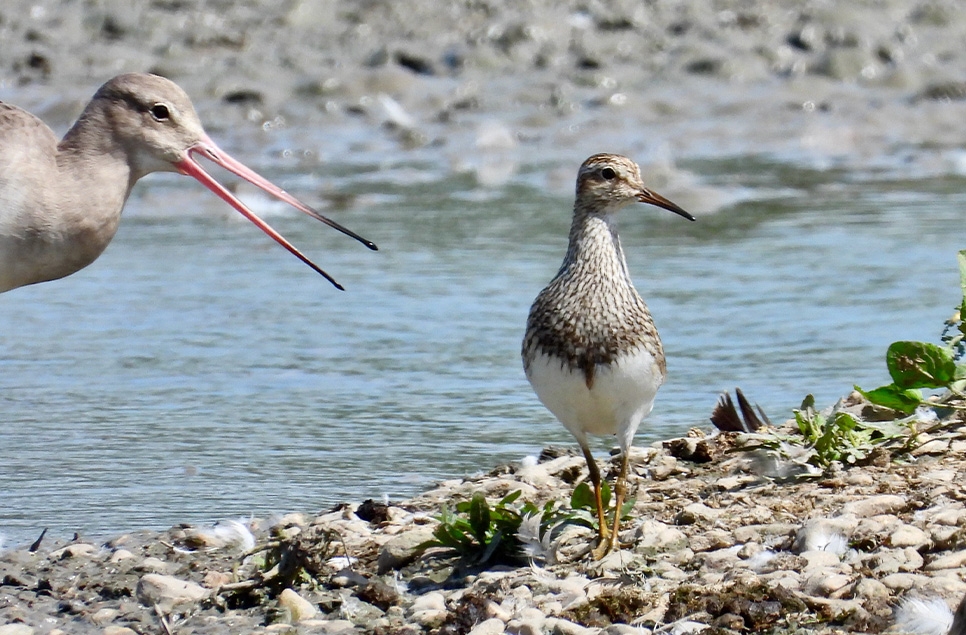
(583, 497)
(452, 538)
(891, 396)
(509, 498)
(627, 507)
(492, 548)
(920, 365)
(605, 493)
(479, 517)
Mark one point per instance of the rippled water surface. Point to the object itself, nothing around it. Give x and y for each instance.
(196, 371)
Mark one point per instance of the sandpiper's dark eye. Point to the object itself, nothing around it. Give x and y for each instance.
(159, 112)
(608, 173)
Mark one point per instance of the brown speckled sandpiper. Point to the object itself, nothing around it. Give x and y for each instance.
(591, 350)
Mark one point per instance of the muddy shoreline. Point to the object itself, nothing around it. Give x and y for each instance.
(867, 86)
(716, 540)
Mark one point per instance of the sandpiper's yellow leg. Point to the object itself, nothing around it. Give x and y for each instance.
(603, 533)
(620, 493)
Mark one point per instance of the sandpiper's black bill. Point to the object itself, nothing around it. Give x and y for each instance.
(653, 198)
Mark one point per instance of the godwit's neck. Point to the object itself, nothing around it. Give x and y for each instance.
(91, 151)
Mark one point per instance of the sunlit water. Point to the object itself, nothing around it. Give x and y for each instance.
(196, 371)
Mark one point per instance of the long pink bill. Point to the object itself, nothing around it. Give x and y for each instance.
(191, 167)
(653, 198)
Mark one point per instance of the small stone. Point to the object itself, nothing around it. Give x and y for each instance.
(950, 517)
(215, 579)
(935, 446)
(298, 607)
(16, 629)
(114, 629)
(294, 519)
(655, 537)
(559, 626)
(859, 478)
(432, 601)
(730, 621)
(875, 505)
(121, 554)
(871, 589)
(761, 533)
(729, 483)
(327, 627)
(908, 536)
(696, 512)
(402, 549)
(519, 627)
(824, 582)
(688, 627)
(77, 550)
(914, 560)
(349, 578)
(624, 629)
(719, 559)
(430, 618)
(152, 565)
(492, 626)
(885, 562)
(104, 616)
(493, 609)
(817, 559)
(953, 560)
(167, 591)
(901, 581)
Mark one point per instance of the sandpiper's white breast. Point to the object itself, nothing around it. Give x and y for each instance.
(621, 394)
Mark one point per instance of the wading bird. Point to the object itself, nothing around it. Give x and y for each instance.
(61, 202)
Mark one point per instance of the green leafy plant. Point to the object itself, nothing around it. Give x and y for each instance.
(915, 366)
(841, 436)
(485, 534)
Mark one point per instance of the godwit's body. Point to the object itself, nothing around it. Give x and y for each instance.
(61, 202)
(591, 350)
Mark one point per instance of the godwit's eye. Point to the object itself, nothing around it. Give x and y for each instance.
(608, 173)
(160, 112)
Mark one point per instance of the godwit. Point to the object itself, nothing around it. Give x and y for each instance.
(591, 351)
(60, 202)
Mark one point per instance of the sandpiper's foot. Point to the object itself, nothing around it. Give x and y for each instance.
(604, 546)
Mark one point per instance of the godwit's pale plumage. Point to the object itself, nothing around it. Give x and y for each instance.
(591, 351)
(61, 201)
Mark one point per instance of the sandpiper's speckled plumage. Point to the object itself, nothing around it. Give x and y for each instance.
(591, 350)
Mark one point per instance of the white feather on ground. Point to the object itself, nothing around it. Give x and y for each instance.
(920, 616)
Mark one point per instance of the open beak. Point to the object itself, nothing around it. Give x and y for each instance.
(213, 153)
(653, 198)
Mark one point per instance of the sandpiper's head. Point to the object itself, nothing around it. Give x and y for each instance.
(609, 182)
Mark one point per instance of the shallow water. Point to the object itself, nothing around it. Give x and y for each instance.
(196, 371)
